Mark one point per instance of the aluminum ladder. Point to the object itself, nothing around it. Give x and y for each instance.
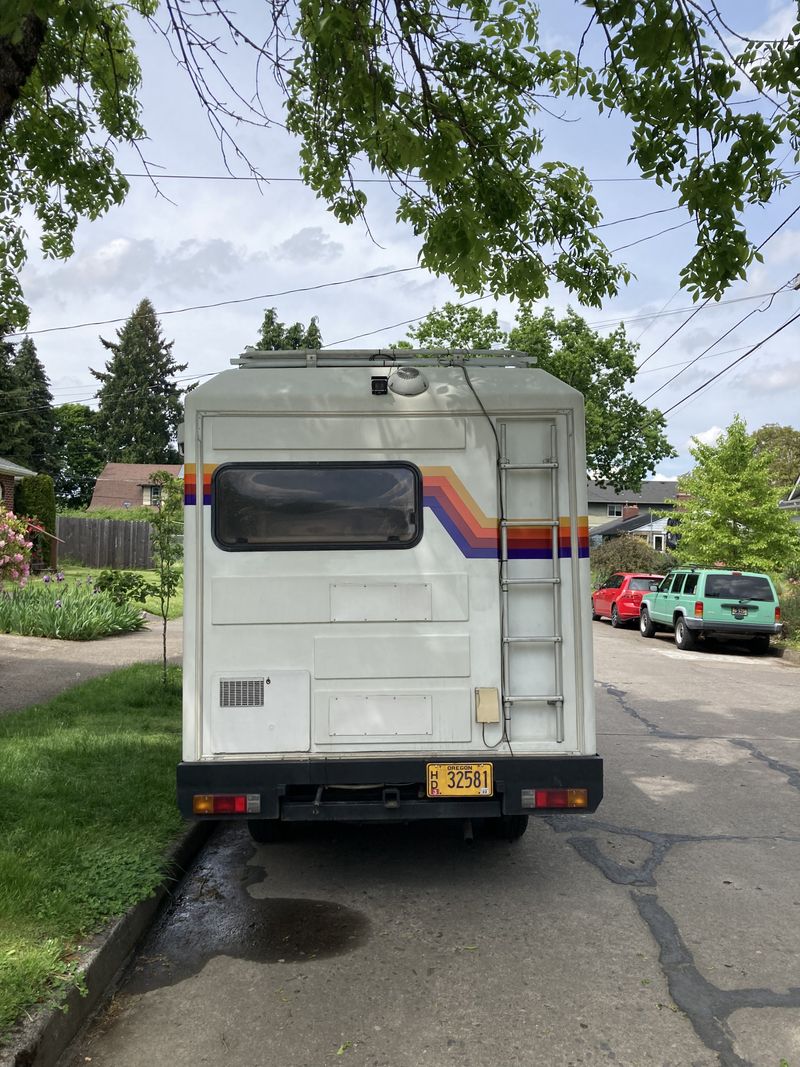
(508, 467)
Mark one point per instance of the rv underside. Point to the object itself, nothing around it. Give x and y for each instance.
(385, 789)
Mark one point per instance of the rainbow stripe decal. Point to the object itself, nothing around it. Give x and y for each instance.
(477, 535)
(190, 483)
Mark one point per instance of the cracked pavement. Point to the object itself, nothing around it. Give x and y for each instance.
(664, 931)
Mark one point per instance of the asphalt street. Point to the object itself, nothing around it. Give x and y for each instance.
(664, 931)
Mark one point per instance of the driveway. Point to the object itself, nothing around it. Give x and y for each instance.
(35, 669)
(664, 931)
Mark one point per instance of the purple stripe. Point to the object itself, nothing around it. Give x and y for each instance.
(189, 498)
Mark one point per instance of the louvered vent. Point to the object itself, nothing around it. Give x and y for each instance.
(241, 693)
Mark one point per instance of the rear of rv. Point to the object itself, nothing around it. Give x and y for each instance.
(386, 571)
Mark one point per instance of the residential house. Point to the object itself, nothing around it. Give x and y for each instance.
(643, 524)
(127, 485)
(607, 504)
(9, 474)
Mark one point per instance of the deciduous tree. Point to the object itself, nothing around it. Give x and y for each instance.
(782, 443)
(731, 514)
(78, 454)
(140, 404)
(447, 98)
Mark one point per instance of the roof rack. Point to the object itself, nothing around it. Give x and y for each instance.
(382, 357)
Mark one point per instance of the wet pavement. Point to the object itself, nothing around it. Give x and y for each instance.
(662, 932)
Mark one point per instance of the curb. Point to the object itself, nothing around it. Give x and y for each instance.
(790, 655)
(42, 1040)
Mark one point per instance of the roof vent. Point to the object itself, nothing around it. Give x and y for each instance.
(407, 381)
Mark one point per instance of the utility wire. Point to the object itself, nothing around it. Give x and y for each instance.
(220, 303)
(706, 302)
(736, 325)
(733, 363)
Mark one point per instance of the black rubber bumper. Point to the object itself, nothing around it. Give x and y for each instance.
(733, 629)
(327, 790)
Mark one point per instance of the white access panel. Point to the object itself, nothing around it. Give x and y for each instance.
(264, 712)
(379, 714)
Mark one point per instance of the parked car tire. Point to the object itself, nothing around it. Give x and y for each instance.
(646, 627)
(759, 645)
(685, 640)
(615, 619)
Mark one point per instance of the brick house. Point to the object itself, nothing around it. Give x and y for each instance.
(122, 485)
(9, 474)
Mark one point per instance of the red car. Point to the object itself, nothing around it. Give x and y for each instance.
(619, 597)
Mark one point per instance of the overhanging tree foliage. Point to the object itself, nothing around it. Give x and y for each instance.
(140, 404)
(731, 514)
(625, 441)
(445, 97)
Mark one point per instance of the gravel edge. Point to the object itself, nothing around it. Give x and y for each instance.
(43, 1039)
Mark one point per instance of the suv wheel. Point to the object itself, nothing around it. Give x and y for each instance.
(646, 627)
(685, 640)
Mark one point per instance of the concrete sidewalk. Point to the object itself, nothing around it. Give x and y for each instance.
(35, 669)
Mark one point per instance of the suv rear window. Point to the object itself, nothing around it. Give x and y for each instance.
(738, 587)
(264, 506)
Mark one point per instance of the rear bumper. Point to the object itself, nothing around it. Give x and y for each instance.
(740, 629)
(329, 790)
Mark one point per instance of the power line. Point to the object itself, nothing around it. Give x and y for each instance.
(219, 303)
(736, 325)
(733, 363)
(397, 325)
(652, 236)
(705, 303)
(684, 362)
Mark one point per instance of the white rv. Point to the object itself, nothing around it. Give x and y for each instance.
(386, 592)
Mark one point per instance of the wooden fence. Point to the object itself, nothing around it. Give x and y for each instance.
(105, 543)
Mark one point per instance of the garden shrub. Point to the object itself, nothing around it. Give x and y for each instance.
(789, 595)
(35, 498)
(626, 553)
(71, 611)
(15, 548)
(124, 586)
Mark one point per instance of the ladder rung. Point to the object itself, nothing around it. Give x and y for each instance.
(530, 522)
(518, 698)
(528, 466)
(531, 640)
(530, 581)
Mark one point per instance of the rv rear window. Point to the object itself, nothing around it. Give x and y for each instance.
(274, 506)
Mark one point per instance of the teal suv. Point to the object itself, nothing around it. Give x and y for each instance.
(695, 602)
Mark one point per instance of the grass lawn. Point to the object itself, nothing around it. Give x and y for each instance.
(71, 572)
(87, 788)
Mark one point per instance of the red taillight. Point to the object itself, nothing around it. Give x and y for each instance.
(562, 798)
(777, 613)
(698, 609)
(219, 804)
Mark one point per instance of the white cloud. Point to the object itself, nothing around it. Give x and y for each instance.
(309, 245)
(706, 437)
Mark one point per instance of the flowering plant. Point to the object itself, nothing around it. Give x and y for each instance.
(15, 548)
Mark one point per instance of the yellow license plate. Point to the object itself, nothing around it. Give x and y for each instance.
(460, 780)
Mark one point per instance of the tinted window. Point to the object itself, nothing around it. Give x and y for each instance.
(678, 581)
(691, 583)
(615, 581)
(738, 587)
(665, 584)
(316, 505)
(641, 583)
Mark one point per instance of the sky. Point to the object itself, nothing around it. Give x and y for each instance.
(200, 241)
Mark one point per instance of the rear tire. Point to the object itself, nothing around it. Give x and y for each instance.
(267, 831)
(509, 827)
(760, 645)
(685, 640)
(646, 627)
(615, 619)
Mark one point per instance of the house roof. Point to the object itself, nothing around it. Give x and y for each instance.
(636, 522)
(121, 483)
(654, 492)
(7, 467)
(793, 499)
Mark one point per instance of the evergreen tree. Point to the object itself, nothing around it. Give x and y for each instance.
(731, 514)
(274, 335)
(78, 455)
(140, 407)
(35, 446)
(10, 418)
